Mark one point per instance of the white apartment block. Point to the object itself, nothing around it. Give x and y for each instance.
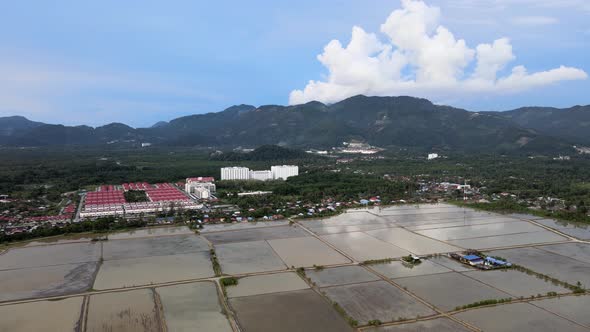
(202, 193)
(235, 173)
(261, 175)
(283, 172)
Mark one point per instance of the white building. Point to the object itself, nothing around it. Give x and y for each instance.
(432, 156)
(283, 172)
(199, 182)
(202, 193)
(261, 175)
(235, 173)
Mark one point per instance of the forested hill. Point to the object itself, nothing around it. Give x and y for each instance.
(388, 122)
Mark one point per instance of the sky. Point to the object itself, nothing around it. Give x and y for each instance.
(140, 62)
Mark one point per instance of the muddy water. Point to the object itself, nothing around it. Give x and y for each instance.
(151, 232)
(306, 251)
(364, 247)
(62, 315)
(266, 284)
(49, 255)
(133, 311)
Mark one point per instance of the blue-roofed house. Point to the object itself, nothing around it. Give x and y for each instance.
(473, 259)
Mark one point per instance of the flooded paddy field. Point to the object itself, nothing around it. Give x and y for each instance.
(18, 258)
(451, 264)
(475, 231)
(266, 284)
(340, 276)
(150, 232)
(306, 251)
(577, 251)
(153, 246)
(578, 230)
(46, 281)
(397, 269)
(362, 246)
(516, 283)
(355, 218)
(325, 229)
(500, 241)
(432, 325)
(241, 226)
(521, 317)
(548, 263)
(248, 257)
(450, 290)
(193, 307)
(414, 219)
(444, 223)
(376, 300)
(63, 315)
(256, 234)
(132, 311)
(416, 244)
(156, 269)
(574, 308)
(295, 311)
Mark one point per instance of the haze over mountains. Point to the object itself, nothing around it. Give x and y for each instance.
(382, 121)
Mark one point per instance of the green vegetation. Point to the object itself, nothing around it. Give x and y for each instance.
(318, 267)
(301, 272)
(133, 196)
(375, 322)
(351, 321)
(484, 303)
(228, 281)
(576, 289)
(378, 261)
(215, 262)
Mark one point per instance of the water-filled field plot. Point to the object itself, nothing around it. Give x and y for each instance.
(306, 251)
(364, 247)
(577, 251)
(557, 266)
(578, 230)
(241, 226)
(266, 284)
(432, 325)
(156, 246)
(416, 244)
(295, 311)
(340, 276)
(516, 283)
(155, 269)
(193, 307)
(398, 269)
(574, 308)
(248, 257)
(521, 317)
(377, 300)
(255, 234)
(52, 270)
(450, 290)
(47, 281)
(150, 232)
(132, 311)
(62, 315)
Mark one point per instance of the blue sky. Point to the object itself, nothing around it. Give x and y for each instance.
(138, 62)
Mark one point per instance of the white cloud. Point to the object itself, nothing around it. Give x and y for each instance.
(534, 20)
(421, 57)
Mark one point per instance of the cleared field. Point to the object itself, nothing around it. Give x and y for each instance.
(521, 317)
(150, 232)
(256, 234)
(248, 257)
(266, 284)
(572, 307)
(548, 263)
(340, 276)
(62, 315)
(306, 251)
(193, 307)
(516, 283)
(132, 311)
(296, 311)
(153, 246)
(156, 269)
(579, 230)
(419, 245)
(577, 251)
(475, 231)
(399, 270)
(509, 240)
(434, 325)
(376, 300)
(19, 258)
(449, 290)
(364, 247)
(46, 281)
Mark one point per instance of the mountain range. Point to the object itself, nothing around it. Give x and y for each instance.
(387, 122)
